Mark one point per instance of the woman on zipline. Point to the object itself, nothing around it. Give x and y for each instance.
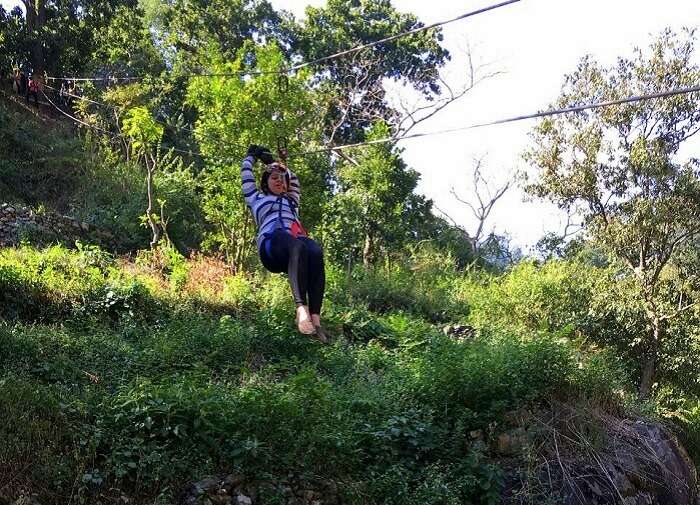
(283, 244)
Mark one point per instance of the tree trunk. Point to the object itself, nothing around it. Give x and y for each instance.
(149, 211)
(36, 18)
(237, 253)
(367, 250)
(650, 360)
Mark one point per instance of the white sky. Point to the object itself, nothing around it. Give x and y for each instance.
(535, 42)
(9, 4)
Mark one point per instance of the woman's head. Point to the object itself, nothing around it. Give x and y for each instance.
(275, 179)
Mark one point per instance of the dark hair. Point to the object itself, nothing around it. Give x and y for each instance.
(265, 176)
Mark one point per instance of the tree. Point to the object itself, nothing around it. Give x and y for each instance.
(237, 111)
(343, 24)
(125, 46)
(36, 18)
(145, 136)
(375, 208)
(11, 53)
(621, 167)
(481, 203)
(189, 30)
(58, 36)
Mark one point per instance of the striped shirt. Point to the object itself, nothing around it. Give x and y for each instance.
(270, 211)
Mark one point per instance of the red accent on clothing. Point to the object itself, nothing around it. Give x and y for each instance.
(298, 230)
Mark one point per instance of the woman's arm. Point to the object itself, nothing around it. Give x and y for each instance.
(250, 190)
(294, 187)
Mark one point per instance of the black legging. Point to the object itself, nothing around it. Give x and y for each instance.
(302, 259)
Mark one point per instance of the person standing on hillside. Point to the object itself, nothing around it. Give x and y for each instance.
(33, 89)
(283, 244)
(22, 83)
(15, 81)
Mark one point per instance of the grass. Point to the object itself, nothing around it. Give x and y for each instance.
(121, 379)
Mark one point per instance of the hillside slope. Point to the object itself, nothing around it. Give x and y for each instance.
(130, 382)
(40, 156)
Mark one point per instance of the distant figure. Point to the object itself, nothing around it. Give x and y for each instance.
(63, 94)
(15, 81)
(33, 89)
(67, 93)
(22, 83)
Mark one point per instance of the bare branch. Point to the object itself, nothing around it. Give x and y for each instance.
(347, 157)
(678, 312)
(454, 223)
(424, 111)
(487, 200)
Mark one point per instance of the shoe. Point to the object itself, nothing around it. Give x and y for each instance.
(305, 326)
(321, 335)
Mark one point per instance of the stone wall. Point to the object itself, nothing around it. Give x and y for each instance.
(19, 223)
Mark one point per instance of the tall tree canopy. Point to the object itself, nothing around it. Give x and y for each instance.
(188, 30)
(343, 24)
(620, 167)
(375, 209)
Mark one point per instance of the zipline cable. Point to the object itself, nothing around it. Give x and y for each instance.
(110, 78)
(322, 59)
(114, 136)
(554, 112)
(74, 118)
(67, 93)
(116, 109)
(400, 35)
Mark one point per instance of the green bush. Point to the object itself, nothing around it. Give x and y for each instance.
(532, 297)
(58, 284)
(35, 434)
(422, 292)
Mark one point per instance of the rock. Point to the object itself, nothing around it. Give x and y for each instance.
(459, 331)
(511, 442)
(46, 227)
(221, 498)
(242, 499)
(236, 489)
(27, 500)
(680, 480)
(231, 482)
(208, 485)
(641, 499)
(476, 434)
(621, 482)
(578, 455)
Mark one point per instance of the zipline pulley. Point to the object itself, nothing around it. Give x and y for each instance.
(282, 148)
